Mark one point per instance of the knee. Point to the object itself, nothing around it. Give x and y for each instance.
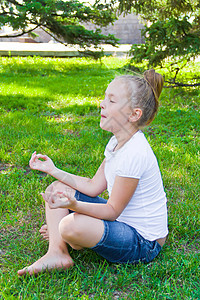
(69, 230)
(58, 186)
(64, 227)
(52, 187)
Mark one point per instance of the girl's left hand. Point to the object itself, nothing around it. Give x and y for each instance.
(60, 200)
(41, 163)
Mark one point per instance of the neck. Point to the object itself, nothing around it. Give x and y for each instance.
(124, 136)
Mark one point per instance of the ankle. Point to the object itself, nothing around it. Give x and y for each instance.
(62, 249)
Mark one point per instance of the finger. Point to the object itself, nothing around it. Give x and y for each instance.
(34, 153)
(53, 197)
(65, 201)
(48, 195)
(69, 195)
(65, 194)
(32, 160)
(45, 157)
(62, 198)
(56, 195)
(52, 205)
(31, 163)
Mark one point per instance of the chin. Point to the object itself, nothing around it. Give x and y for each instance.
(103, 127)
(106, 128)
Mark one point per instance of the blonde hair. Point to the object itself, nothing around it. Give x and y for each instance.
(144, 92)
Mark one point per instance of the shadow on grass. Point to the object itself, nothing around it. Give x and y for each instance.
(56, 90)
(35, 66)
(53, 69)
(55, 78)
(181, 95)
(43, 105)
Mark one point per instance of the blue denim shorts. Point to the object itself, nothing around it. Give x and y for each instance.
(120, 242)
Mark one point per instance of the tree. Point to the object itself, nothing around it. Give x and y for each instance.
(172, 32)
(61, 19)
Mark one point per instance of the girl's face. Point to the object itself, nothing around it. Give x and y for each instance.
(115, 108)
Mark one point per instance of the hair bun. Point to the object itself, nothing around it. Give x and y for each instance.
(155, 80)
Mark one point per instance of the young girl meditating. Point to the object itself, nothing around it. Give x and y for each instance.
(132, 225)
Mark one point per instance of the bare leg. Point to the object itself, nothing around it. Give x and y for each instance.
(57, 255)
(45, 234)
(81, 231)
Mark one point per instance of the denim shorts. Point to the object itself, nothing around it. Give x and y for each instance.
(120, 242)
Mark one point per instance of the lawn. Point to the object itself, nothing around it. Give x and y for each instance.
(52, 106)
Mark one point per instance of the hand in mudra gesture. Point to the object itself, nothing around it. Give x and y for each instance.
(60, 200)
(41, 163)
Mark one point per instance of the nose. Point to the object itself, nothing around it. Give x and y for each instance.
(102, 104)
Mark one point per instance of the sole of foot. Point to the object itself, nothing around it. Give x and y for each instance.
(48, 262)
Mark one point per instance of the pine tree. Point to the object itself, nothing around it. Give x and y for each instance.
(172, 32)
(64, 20)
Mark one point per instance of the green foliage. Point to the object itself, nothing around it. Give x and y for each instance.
(62, 19)
(168, 39)
(172, 31)
(52, 106)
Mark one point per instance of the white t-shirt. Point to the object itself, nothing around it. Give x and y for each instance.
(147, 209)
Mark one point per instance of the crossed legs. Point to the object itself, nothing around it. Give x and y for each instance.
(79, 231)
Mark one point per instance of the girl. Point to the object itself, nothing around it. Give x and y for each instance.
(132, 225)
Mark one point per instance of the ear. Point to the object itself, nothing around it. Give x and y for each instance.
(135, 115)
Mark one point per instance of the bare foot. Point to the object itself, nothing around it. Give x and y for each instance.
(44, 232)
(51, 260)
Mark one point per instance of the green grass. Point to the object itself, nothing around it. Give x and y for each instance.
(52, 106)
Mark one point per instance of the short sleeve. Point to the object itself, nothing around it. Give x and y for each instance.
(110, 146)
(131, 165)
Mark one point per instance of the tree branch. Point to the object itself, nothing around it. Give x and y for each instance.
(53, 36)
(86, 53)
(19, 34)
(180, 84)
(5, 13)
(15, 2)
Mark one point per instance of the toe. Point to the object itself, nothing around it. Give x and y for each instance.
(43, 228)
(22, 271)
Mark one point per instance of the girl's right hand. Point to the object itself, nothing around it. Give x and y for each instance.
(41, 163)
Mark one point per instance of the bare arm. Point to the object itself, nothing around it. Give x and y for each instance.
(122, 192)
(91, 187)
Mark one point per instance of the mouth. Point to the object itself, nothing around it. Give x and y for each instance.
(103, 116)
